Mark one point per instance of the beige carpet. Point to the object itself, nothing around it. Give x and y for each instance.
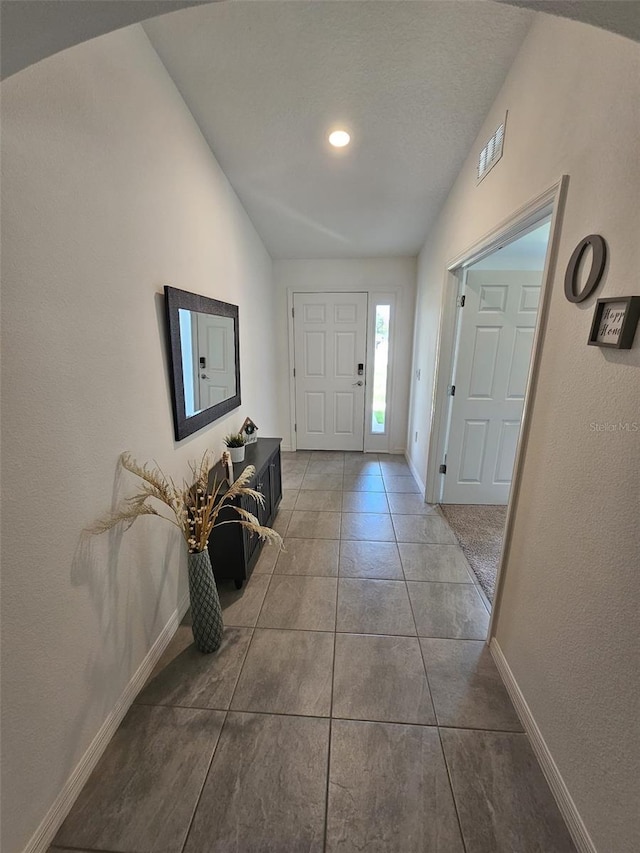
(479, 530)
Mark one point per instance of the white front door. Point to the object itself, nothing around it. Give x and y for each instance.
(330, 343)
(496, 336)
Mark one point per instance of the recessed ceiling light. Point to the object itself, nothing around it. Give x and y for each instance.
(339, 138)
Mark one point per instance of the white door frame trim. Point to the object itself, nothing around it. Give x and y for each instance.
(292, 361)
(552, 198)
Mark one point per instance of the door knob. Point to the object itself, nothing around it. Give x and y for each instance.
(359, 382)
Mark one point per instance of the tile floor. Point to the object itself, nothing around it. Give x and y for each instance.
(353, 705)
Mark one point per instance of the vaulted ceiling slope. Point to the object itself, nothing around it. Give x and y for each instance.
(410, 81)
(618, 16)
(31, 30)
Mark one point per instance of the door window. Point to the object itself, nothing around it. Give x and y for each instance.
(380, 370)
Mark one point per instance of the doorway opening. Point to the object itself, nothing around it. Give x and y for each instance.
(494, 338)
(494, 309)
(496, 322)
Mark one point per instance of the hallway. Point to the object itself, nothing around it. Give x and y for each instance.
(356, 654)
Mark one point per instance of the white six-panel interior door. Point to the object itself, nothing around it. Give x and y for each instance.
(495, 342)
(330, 342)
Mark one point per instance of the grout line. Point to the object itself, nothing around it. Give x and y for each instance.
(53, 847)
(226, 711)
(302, 630)
(184, 707)
(426, 725)
(519, 733)
(363, 633)
(424, 663)
(457, 583)
(224, 722)
(204, 782)
(266, 593)
(278, 714)
(404, 576)
(333, 670)
(394, 723)
(453, 795)
(483, 729)
(295, 714)
(244, 660)
(305, 574)
(435, 713)
(357, 633)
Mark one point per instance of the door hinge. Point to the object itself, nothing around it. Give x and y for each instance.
(295, 427)
(294, 371)
(293, 312)
(460, 301)
(443, 468)
(451, 390)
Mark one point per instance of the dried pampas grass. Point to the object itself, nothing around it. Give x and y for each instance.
(195, 506)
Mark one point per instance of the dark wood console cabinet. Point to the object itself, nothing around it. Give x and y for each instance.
(233, 550)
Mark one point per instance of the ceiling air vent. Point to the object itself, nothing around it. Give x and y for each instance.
(491, 152)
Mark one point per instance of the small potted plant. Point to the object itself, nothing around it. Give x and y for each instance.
(235, 442)
(194, 509)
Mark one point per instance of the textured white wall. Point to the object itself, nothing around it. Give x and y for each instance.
(109, 192)
(373, 275)
(568, 621)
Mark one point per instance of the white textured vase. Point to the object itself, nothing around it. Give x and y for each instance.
(237, 453)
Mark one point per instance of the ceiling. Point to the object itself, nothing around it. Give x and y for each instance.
(34, 29)
(412, 83)
(266, 81)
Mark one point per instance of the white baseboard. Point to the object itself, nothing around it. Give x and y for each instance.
(416, 476)
(51, 823)
(563, 798)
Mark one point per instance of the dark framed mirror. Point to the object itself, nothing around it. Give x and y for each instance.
(204, 357)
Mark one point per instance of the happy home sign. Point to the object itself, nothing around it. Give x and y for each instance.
(614, 322)
(610, 324)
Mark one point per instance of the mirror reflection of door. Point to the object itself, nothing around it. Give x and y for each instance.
(217, 374)
(208, 359)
